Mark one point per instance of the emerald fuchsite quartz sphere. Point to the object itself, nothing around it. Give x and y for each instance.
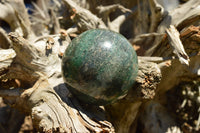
(99, 66)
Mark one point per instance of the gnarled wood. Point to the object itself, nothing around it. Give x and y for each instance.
(42, 98)
(30, 69)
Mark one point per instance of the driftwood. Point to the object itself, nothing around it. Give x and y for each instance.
(49, 91)
(30, 63)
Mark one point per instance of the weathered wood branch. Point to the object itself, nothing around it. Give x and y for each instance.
(149, 15)
(15, 14)
(105, 11)
(7, 56)
(5, 42)
(142, 37)
(41, 100)
(142, 21)
(50, 113)
(48, 100)
(157, 12)
(189, 46)
(174, 40)
(144, 89)
(180, 17)
(23, 17)
(5, 60)
(83, 18)
(31, 79)
(153, 114)
(8, 15)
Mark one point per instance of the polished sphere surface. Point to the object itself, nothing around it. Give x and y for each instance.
(99, 66)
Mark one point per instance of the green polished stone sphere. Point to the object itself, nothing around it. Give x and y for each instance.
(99, 66)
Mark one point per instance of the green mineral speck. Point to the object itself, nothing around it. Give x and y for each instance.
(99, 66)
